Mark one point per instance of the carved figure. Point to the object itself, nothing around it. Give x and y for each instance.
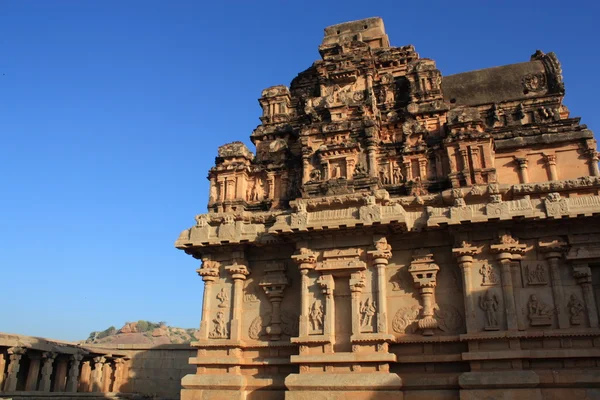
(489, 304)
(539, 313)
(359, 170)
(576, 307)
(367, 311)
(397, 175)
(250, 292)
(316, 315)
(220, 327)
(488, 275)
(536, 276)
(385, 177)
(223, 297)
(315, 175)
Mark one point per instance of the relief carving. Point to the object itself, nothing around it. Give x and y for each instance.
(220, 327)
(540, 314)
(367, 311)
(223, 298)
(576, 308)
(315, 316)
(405, 319)
(535, 275)
(250, 292)
(258, 328)
(489, 304)
(450, 319)
(489, 277)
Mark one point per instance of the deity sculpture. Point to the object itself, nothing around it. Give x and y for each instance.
(367, 311)
(397, 175)
(576, 307)
(539, 313)
(223, 297)
(220, 327)
(316, 315)
(489, 304)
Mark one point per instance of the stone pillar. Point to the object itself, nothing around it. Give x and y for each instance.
(371, 147)
(408, 170)
(73, 376)
(423, 169)
(516, 279)
(464, 255)
(15, 354)
(33, 374)
(106, 378)
(60, 377)
(524, 174)
(380, 257)
(583, 274)
(270, 185)
(506, 249)
(424, 272)
(357, 283)
(306, 262)
(85, 378)
(209, 271)
(120, 378)
(97, 373)
(48, 358)
(212, 193)
(327, 286)
(274, 283)
(550, 160)
(593, 155)
(305, 169)
(2, 368)
(466, 170)
(554, 249)
(238, 272)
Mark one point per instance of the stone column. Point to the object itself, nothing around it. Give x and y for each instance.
(2, 368)
(327, 286)
(466, 170)
(550, 160)
(516, 279)
(97, 373)
(306, 262)
(48, 358)
(505, 249)
(583, 274)
(33, 374)
(464, 255)
(593, 155)
(524, 174)
(60, 377)
(73, 377)
(15, 354)
(86, 374)
(209, 271)
(212, 193)
(380, 257)
(424, 272)
(371, 147)
(357, 283)
(106, 377)
(238, 272)
(305, 169)
(271, 185)
(408, 170)
(274, 283)
(120, 378)
(423, 169)
(554, 249)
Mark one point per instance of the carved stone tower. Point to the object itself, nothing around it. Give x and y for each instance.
(402, 233)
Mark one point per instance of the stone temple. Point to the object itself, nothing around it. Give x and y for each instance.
(402, 234)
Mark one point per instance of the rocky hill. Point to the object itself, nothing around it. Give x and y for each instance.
(142, 332)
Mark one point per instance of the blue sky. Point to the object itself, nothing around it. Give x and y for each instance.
(111, 113)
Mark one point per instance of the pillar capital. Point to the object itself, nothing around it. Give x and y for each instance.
(507, 248)
(238, 271)
(550, 159)
(582, 273)
(552, 247)
(357, 282)
(382, 251)
(305, 258)
(209, 271)
(274, 280)
(521, 161)
(16, 351)
(464, 254)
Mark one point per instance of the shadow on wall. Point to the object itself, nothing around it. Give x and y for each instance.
(37, 368)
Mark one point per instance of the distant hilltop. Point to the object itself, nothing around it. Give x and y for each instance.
(142, 332)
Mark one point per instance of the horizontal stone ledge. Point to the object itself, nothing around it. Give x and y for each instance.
(343, 358)
(569, 378)
(151, 347)
(495, 335)
(527, 354)
(238, 361)
(67, 395)
(430, 381)
(372, 382)
(429, 358)
(498, 379)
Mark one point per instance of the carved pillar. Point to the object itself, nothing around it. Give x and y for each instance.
(524, 174)
(408, 169)
(424, 271)
(106, 377)
(97, 373)
(2, 368)
(271, 185)
(73, 377)
(583, 274)
(371, 147)
(465, 164)
(33, 373)
(238, 272)
(357, 283)
(516, 279)
(212, 195)
(15, 354)
(48, 358)
(306, 262)
(593, 155)
(423, 169)
(550, 160)
(305, 169)
(506, 250)
(120, 378)
(381, 256)
(60, 377)
(554, 249)
(221, 190)
(84, 380)
(464, 257)
(327, 286)
(209, 271)
(274, 283)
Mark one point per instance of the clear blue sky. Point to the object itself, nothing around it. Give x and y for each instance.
(111, 113)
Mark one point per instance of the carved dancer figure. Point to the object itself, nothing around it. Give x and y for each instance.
(367, 311)
(223, 297)
(385, 177)
(576, 307)
(220, 328)
(316, 315)
(397, 175)
(489, 304)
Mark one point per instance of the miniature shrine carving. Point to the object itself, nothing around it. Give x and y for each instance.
(410, 234)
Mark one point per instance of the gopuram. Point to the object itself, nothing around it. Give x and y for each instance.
(400, 234)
